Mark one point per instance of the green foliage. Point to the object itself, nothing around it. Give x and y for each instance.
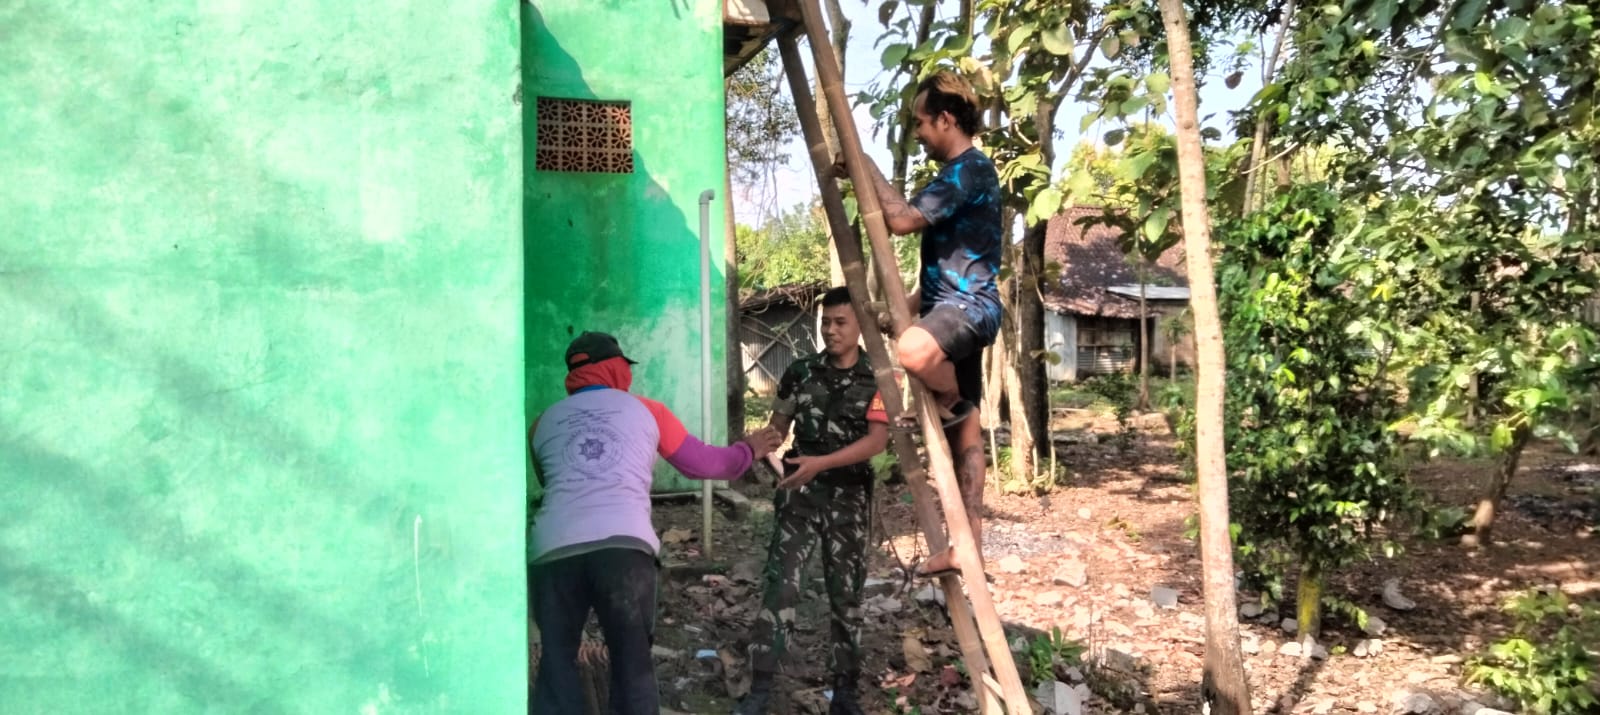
(791, 248)
(1120, 391)
(1310, 449)
(757, 410)
(1051, 475)
(1548, 666)
(1049, 654)
(761, 119)
(1441, 522)
(883, 465)
(1478, 199)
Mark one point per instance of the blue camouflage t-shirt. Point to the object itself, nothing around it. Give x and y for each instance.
(961, 245)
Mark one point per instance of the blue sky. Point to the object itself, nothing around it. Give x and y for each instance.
(795, 184)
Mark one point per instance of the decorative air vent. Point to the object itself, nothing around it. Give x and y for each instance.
(584, 136)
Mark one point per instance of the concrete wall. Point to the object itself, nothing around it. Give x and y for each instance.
(621, 252)
(262, 403)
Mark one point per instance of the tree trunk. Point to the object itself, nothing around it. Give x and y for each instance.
(1258, 147)
(1031, 372)
(839, 36)
(733, 360)
(905, 143)
(1308, 603)
(1144, 341)
(1022, 462)
(994, 388)
(1495, 490)
(1034, 384)
(1223, 685)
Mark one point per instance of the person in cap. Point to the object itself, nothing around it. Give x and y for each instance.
(592, 545)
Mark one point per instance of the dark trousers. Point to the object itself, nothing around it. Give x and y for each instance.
(619, 585)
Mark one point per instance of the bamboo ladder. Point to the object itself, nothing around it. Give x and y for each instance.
(976, 623)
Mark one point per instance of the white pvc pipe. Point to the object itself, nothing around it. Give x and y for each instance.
(705, 359)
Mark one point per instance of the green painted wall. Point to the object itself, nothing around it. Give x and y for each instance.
(261, 397)
(621, 252)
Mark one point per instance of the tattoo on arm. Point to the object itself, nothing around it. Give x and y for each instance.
(898, 213)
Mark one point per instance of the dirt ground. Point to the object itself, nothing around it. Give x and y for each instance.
(1086, 558)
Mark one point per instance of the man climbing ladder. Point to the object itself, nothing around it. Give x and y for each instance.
(958, 214)
(973, 617)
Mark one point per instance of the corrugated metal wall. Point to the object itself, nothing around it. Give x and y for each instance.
(770, 341)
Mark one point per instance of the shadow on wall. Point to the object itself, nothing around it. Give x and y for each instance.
(607, 251)
(186, 585)
(602, 250)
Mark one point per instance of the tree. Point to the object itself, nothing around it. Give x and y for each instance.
(1311, 446)
(790, 248)
(1223, 685)
(1033, 62)
(1138, 185)
(761, 120)
(1479, 193)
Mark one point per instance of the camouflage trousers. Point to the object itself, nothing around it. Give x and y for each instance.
(835, 515)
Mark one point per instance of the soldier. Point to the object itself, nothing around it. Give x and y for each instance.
(826, 496)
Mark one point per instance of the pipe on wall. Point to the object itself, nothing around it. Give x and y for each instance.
(705, 359)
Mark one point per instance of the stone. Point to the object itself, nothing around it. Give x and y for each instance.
(1375, 626)
(1121, 661)
(1291, 649)
(1013, 563)
(1048, 598)
(665, 653)
(1164, 597)
(1084, 513)
(882, 605)
(1250, 610)
(1318, 651)
(1367, 648)
(737, 503)
(1414, 703)
(929, 595)
(1269, 647)
(1250, 646)
(1119, 629)
(1447, 659)
(1290, 626)
(1394, 599)
(1058, 698)
(1072, 573)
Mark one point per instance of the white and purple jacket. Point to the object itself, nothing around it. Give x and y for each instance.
(594, 453)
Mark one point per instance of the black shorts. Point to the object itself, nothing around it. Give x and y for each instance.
(958, 336)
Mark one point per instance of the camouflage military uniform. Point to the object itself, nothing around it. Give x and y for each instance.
(830, 408)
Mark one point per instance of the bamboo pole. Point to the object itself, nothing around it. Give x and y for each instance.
(944, 479)
(855, 272)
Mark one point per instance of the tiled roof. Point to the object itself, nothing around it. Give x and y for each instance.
(1091, 262)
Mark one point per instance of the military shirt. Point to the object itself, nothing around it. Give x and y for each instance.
(830, 407)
